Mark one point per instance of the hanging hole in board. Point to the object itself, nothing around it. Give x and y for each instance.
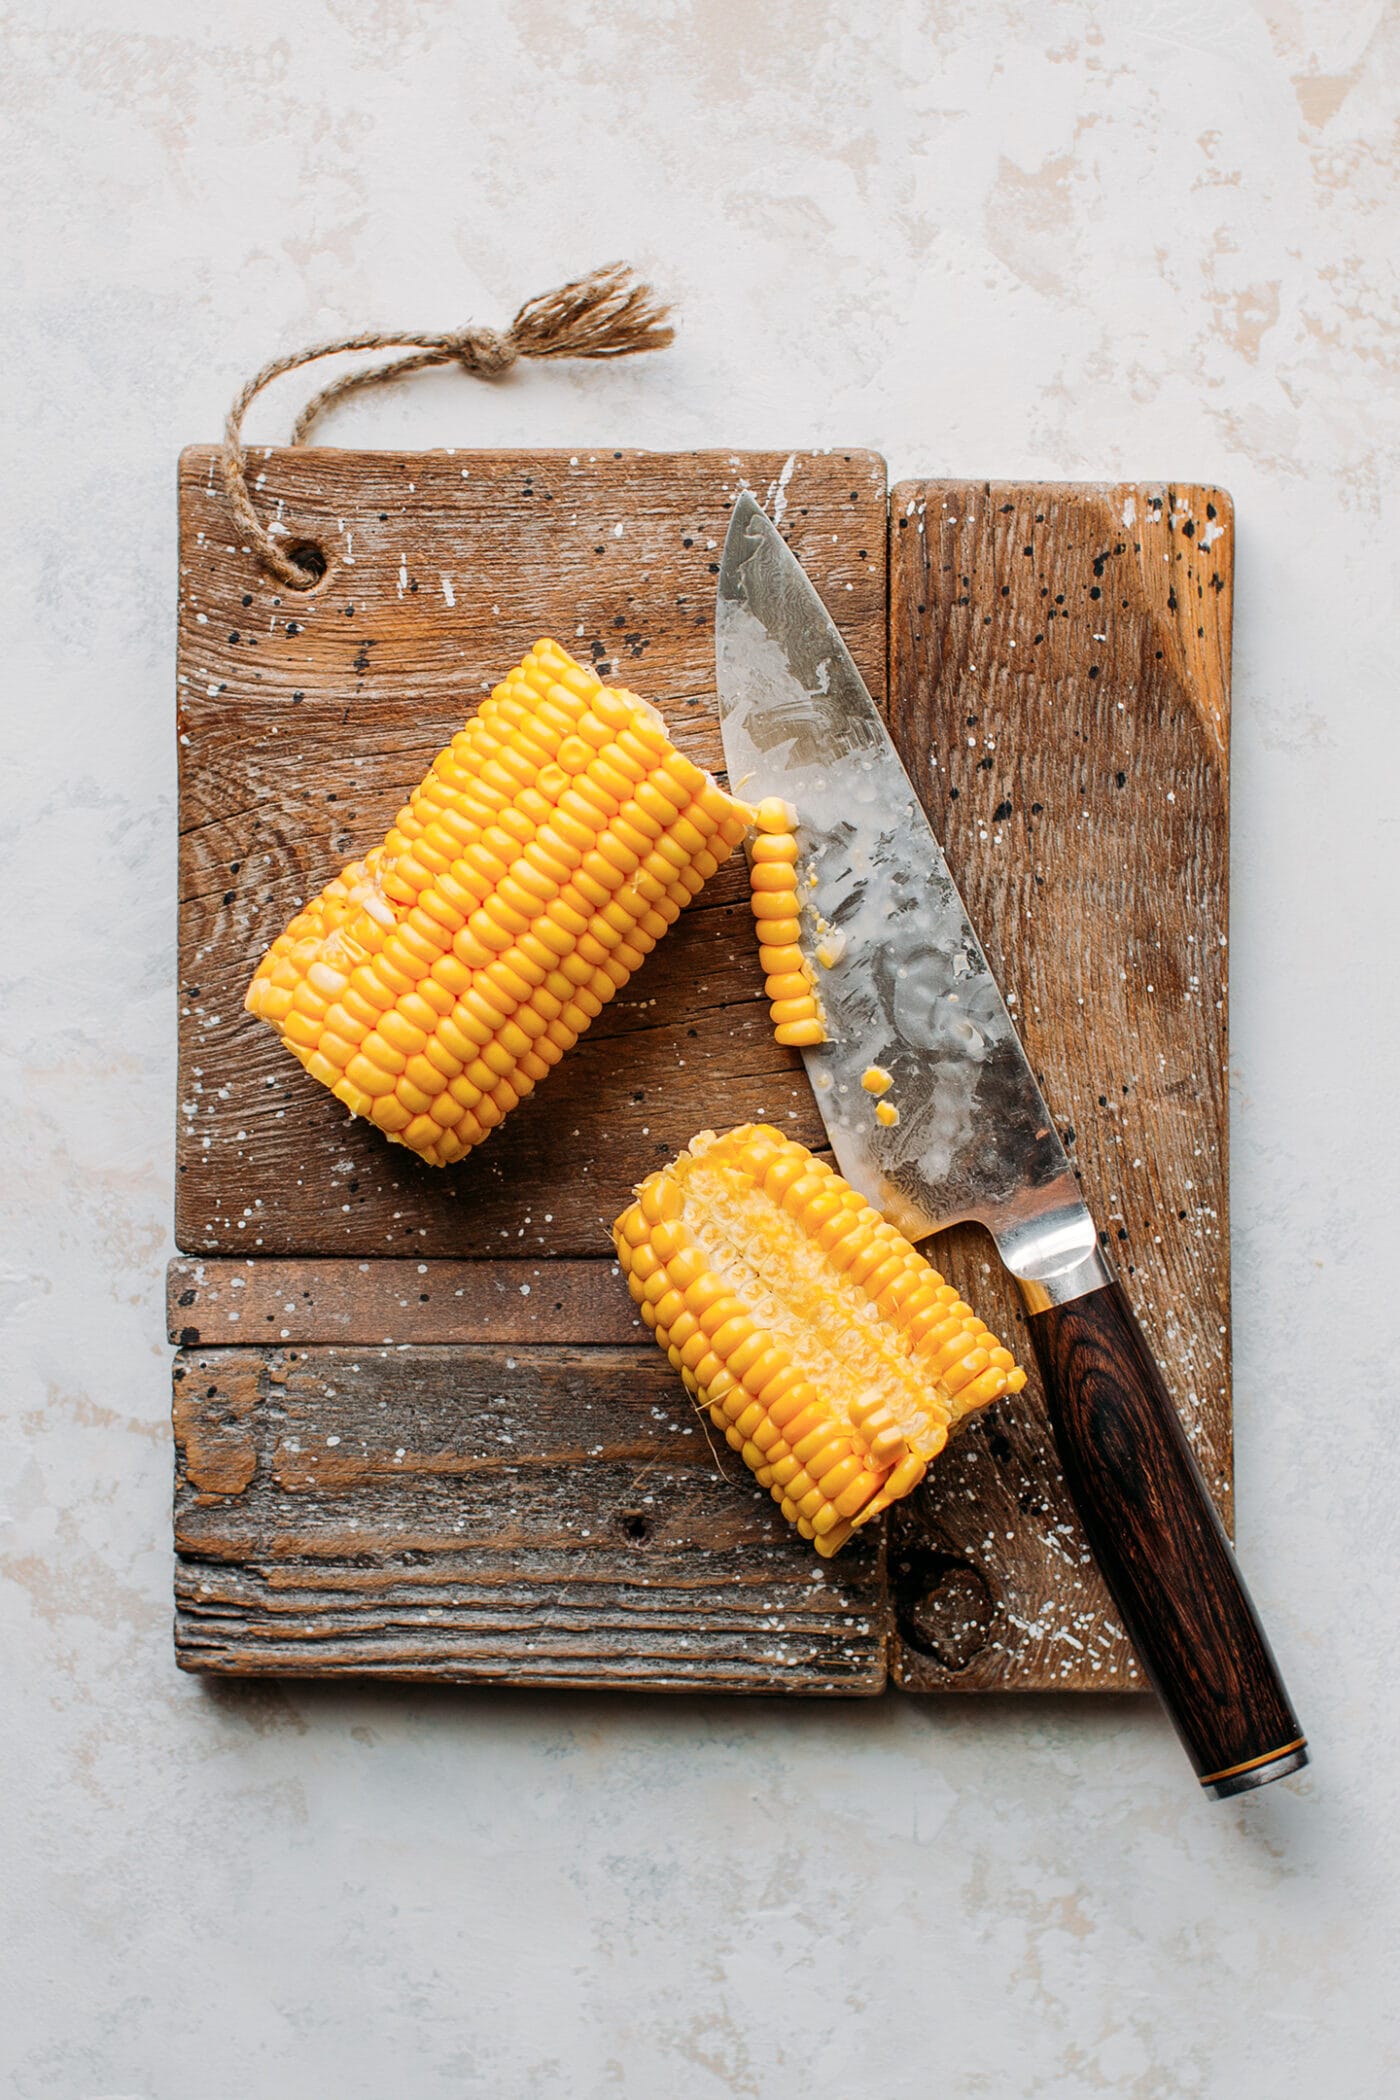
(311, 560)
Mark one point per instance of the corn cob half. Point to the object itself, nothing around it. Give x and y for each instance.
(433, 984)
(828, 1351)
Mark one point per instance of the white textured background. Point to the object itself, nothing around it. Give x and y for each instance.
(1119, 238)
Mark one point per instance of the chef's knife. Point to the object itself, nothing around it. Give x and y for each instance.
(907, 991)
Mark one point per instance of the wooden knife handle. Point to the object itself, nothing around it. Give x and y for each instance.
(1161, 1546)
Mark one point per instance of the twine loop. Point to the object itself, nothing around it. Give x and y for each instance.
(606, 314)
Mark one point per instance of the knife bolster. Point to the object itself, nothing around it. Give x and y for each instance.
(1055, 1258)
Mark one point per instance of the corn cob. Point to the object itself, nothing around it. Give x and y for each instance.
(773, 896)
(433, 984)
(830, 1354)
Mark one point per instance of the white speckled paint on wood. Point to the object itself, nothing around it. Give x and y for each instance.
(1040, 239)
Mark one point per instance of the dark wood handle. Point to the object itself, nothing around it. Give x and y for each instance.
(1160, 1544)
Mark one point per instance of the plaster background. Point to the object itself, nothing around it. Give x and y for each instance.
(1062, 239)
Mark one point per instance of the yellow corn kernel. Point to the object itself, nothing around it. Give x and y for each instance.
(836, 1368)
(764, 875)
(767, 905)
(800, 1035)
(547, 849)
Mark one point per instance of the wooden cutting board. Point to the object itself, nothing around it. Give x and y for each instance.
(419, 1431)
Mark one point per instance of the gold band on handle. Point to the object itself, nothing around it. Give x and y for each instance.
(1250, 1763)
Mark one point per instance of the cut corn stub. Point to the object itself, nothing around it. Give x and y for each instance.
(834, 1359)
(793, 1005)
(433, 984)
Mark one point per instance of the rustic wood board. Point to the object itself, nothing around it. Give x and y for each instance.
(602, 1545)
(419, 1431)
(1059, 673)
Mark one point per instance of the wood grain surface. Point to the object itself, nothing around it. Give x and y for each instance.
(212, 1302)
(543, 1515)
(1059, 678)
(519, 1489)
(304, 719)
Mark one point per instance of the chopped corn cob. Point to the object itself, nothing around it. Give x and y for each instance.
(830, 1353)
(433, 984)
(793, 1004)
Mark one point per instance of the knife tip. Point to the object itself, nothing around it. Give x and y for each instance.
(737, 545)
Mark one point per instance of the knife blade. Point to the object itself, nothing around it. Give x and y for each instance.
(911, 1006)
(910, 992)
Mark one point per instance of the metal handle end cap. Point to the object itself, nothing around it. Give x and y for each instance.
(1244, 1782)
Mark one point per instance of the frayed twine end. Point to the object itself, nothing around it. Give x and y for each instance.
(608, 313)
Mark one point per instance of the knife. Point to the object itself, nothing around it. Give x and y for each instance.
(908, 991)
